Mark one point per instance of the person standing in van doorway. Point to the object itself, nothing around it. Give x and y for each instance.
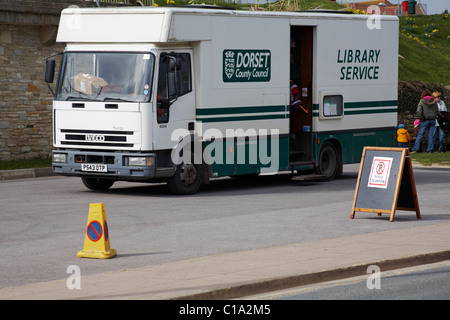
(441, 107)
(403, 136)
(427, 112)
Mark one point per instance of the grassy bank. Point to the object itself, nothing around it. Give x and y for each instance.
(24, 164)
(435, 158)
(424, 48)
(299, 5)
(282, 5)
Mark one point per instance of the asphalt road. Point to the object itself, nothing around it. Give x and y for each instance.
(43, 220)
(426, 282)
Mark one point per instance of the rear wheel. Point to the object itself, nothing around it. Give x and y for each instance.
(328, 161)
(97, 184)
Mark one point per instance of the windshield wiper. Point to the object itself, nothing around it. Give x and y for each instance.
(117, 99)
(79, 98)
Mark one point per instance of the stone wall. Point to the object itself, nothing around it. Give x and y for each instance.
(27, 36)
(25, 105)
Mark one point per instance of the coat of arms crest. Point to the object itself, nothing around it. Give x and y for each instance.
(229, 64)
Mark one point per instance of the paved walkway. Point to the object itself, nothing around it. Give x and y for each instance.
(240, 274)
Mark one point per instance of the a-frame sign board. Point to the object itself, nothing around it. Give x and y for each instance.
(385, 182)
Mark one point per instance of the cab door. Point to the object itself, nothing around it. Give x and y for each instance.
(175, 98)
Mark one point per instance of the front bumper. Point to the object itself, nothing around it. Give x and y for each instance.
(116, 164)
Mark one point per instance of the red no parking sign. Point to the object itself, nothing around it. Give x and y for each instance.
(379, 174)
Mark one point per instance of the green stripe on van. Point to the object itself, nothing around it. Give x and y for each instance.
(367, 107)
(239, 110)
(236, 113)
(245, 118)
(347, 112)
(370, 104)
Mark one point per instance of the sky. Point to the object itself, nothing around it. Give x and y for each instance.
(433, 6)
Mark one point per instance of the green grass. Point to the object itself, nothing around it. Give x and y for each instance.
(282, 5)
(435, 158)
(221, 3)
(24, 164)
(424, 47)
(298, 5)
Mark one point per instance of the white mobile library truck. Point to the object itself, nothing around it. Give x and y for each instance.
(184, 94)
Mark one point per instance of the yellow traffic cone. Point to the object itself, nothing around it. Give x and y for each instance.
(96, 241)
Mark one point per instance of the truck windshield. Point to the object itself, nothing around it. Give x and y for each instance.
(105, 76)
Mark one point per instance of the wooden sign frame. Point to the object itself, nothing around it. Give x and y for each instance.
(376, 192)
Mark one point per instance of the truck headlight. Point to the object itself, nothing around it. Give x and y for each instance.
(60, 157)
(140, 161)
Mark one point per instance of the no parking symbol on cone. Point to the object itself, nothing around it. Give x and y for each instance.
(96, 241)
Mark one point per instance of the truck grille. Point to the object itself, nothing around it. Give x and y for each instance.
(98, 138)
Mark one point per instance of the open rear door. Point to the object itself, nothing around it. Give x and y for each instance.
(301, 76)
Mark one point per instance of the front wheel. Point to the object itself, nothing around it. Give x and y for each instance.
(187, 179)
(97, 184)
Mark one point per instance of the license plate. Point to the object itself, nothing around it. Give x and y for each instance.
(94, 167)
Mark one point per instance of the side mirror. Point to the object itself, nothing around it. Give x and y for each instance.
(49, 70)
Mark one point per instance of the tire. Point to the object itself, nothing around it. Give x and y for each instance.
(97, 184)
(328, 161)
(187, 179)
